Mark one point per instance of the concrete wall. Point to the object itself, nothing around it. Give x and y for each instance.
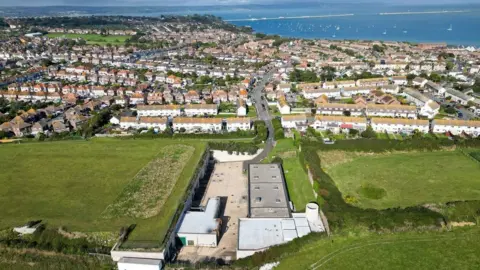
(203, 240)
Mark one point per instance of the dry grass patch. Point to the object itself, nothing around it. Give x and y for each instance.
(145, 195)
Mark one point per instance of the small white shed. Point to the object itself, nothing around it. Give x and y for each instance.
(126, 263)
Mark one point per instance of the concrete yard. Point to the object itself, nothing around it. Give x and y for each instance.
(230, 184)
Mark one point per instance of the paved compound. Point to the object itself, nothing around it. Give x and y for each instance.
(228, 182)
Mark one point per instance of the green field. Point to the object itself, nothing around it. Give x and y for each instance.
(74, 183)
(456, 249)
(93, 38)
(403, 179)
(299, 188)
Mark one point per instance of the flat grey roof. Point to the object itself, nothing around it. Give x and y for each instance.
(145, 261)
(268, 196)
(202, 222)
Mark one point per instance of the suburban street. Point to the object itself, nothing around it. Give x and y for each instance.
(263, 114)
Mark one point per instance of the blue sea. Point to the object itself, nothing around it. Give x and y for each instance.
(365, 24)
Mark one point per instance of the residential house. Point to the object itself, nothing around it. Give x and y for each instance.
(282, 105)
(201, 109)
(237, 123)
(435, 88)
(158, 110)
(419, 81)
(458, 96)
(158, 123)
(396, 125)
(400, 80)
(192, 97)
(294, 121)
(457, 127)
(241, 108)
(381, 110)
(127, 122)
(193, 124)
(340, 109)
(374, 82)
(336, 124)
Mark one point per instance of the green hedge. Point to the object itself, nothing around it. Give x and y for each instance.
(239, 147)
(277, 126)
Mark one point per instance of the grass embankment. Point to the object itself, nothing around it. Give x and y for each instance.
(93, 38)
(389, 180)
(71, 183)
(456, 249)
(299, 188)
(15, 259)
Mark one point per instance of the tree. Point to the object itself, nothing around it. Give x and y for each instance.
(378, 48)
(368, 133)
(353, 132)
(435, 77)
(277, 160)
(450, 66)
(182, 130)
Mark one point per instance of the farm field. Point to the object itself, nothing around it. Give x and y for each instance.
(96, 185)
(93, 38)
(299, 188)
(383, 181)
(455, 249)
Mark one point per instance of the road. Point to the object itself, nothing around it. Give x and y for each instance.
(262, 114)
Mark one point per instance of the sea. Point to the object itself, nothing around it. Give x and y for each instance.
(454, 24)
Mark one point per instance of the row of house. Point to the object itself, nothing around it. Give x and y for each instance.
(189, 124)
(336, 124)
(312, 92)
(370, 110)
(176, 110)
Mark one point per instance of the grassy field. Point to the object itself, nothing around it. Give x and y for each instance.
(403, 179)
(299, 188)
(93, 38)
(72, 183)
(456, 249)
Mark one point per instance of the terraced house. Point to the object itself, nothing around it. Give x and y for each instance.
(340, 109)
(191, 124)
(378, 110)
(237, 123)
(158, 110)
(201, 109)
(396, 125)
(336, 124)
(457, 127)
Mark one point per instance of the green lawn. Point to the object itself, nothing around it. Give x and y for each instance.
(93, 38)
(71, 183)
(456, 249)
(404, 179)
(299, 188)
(252, 112)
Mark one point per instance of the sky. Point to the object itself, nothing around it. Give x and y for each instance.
(205, 2)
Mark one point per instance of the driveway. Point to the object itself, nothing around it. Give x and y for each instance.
(264, 115)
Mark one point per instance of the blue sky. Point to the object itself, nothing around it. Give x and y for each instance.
(205, 2)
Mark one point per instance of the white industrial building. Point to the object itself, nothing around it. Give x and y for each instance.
(258, 234)
(270, 221)
(201, 228)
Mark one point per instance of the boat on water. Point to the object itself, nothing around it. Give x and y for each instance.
(334, 35)
(338, 28)
(384, 32)
(450, 28)
(405, 31)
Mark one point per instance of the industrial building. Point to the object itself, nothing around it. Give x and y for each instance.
(270, 221)
(201, 228)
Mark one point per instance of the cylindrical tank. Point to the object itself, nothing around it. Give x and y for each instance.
(311, 212)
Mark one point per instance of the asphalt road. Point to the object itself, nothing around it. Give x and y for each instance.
(263, 114)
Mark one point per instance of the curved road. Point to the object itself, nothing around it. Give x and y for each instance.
(263, 114)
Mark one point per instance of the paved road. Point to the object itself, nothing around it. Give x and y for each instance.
(263, 114)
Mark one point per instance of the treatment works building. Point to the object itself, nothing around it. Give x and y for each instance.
(270, 220)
